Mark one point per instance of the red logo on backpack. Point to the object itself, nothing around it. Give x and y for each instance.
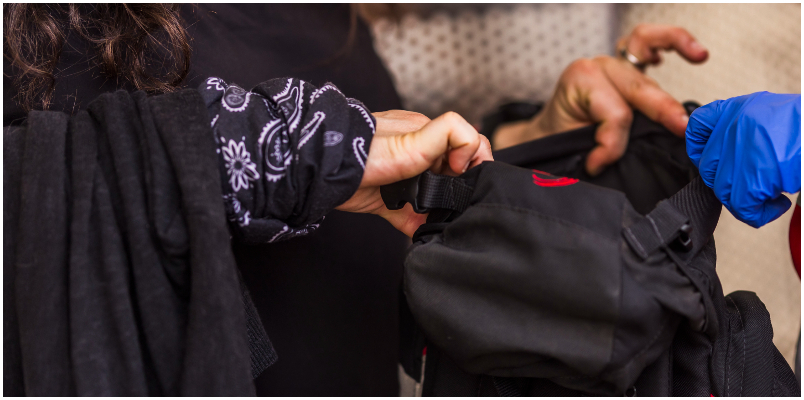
(547, 180)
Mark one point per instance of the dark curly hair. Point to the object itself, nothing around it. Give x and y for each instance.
(144, 44)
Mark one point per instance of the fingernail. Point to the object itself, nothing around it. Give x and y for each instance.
(465, 167)
(695, 46)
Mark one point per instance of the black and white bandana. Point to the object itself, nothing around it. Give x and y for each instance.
(289, 153)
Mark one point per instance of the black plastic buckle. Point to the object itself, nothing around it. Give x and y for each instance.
(683, 242)
(396, 194)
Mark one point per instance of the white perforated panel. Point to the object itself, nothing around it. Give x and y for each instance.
(471, 62)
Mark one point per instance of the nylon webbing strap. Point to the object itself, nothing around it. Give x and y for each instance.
(658, 228)
(506, 387)
(443, 191)
(695, 204)
(698, 202)
(261, 350)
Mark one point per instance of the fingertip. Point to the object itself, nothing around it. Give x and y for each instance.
(685, 120)
(596, 161)
(593, 170)
(697, 52)
(677, 124)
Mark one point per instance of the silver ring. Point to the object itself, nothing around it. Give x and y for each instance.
(627, 56)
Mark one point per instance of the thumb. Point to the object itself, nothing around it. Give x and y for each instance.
(764, 213)
(699, 128)
(773, 209)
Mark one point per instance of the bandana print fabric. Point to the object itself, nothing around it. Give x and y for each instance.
(289, 153)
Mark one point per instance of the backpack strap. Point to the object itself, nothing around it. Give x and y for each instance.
(681, 226)
(665, 225)
(685, 222)
(698, 202)
(261, 351)
(428, 191)
(506, 387)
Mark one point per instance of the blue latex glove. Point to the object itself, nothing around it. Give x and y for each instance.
(748, 149)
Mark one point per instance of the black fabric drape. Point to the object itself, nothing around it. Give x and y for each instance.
(319, 294)
(654, 167)
(117, 254)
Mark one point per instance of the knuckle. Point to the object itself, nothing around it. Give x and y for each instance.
(452, 115)
(583, 66)
(486, 142)
(418, 118)
(615, 144)
(640, 30)
(600, 60)
(639, 84)
(667, 106)
(453, 118)
(678, 31)
(605, 64)
(622, 116)
(635, 86)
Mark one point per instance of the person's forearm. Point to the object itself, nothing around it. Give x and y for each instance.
(289, 153)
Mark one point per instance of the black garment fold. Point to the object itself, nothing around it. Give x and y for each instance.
(654, 167)
(40, 278)
(124, 282)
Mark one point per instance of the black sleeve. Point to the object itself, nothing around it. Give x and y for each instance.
(289, 153)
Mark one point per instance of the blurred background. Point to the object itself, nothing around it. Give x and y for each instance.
(472, 58)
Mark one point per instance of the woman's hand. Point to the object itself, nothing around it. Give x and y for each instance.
(407, 144)
(604, 89)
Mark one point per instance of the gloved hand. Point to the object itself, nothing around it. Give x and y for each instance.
(748, 149)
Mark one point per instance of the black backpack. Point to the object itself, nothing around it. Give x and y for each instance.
(464, 324)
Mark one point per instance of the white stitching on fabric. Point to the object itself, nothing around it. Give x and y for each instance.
(628, 231)
(655, 229)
